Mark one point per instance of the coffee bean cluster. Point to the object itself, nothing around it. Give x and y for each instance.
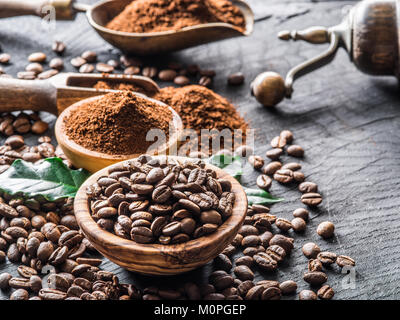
(22, 123)
(160, 200)
(15, 148)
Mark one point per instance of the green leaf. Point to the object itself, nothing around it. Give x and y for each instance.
(259, 196)
(51, 179)
(230, 164)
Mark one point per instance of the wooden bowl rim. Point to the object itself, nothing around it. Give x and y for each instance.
(64, 140)
(242, 5)
(106, 238)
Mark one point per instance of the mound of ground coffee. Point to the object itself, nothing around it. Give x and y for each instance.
(201, 108)
(161, 15)
(119, 86)
(117, 123)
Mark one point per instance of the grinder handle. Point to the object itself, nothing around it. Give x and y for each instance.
(63, 9)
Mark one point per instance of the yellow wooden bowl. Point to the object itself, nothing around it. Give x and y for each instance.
(158, 259)
(93, 161)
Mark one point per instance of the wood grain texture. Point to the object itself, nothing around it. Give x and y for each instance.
(158, 259)
(348, 123)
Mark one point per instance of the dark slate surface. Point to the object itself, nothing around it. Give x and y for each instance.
(347, 122)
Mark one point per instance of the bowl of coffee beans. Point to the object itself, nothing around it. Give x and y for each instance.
(160, 215)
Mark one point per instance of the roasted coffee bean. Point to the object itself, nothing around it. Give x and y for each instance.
(251, 241)
(58, 47)
(256, 161)
(314, 265)
(44, 251)
(37, 57)
(294, 166)
(343, 261)
(295, 151)
(265, 261)
(325, 293)
(150, 72)
(19, 283)
(142, 235)
(274, 154)
(308, 187)
(78, 62)
(278, 142)
(285, 242)
(243, 272)
(26, 272)
(89, 56)
(47, 74)
(288, 287)
(35, 283)
(4, 280)
(2, 256)
(247, 230)
(211, 216)
(20, 294)
(265, 238)
(5, 58)
(237, 241)
(283, 176)
(167, 75)
(307, 295)
(56, 63)
(301, 213)
(311, 250)
(34, 67)
(236, 79)
(327, 258)
(315, 278)
(86, 68)
(205, 81)
(13, 253)
(276, 252)
(283, 224)
(311, 199)
(298, 225)
(326, 229)
(244, 287)
(287, 135)
(52, 294)
(272, 293)
(181, 80)
(223, 262)
(104, 67)
(264, 182)
(254, 293)
(245, 260)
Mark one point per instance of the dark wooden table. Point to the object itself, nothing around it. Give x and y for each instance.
(347, 122)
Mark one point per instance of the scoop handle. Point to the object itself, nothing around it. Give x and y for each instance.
(36, 95)
(62, 9)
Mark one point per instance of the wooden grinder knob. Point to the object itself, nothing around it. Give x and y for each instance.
(268, 88)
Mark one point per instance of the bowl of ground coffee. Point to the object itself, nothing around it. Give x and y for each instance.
(157, 26)
(100, 131)
(160, 215)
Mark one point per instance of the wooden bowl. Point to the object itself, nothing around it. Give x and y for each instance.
(158, 259)
(93, 161)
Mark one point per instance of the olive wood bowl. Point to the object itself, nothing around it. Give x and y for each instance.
(158, 259)
(93, 161)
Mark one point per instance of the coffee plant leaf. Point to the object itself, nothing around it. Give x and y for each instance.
(259, 196)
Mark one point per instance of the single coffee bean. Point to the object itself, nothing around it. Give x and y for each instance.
(283, 224)
(26, 272)
(104, 67)
(343, 261)
(150, 72)
(37, 57)
(52, 294)
(307, 295)
(327, 258)
(265, 261)
(34, 67)
(326, 229)
(39, 127)
(294, 166)
(278, 142)
(298, 225)
(265, 238)
(254, 293)
(314, 265)
(86, 68)
(283, 176)
(4, 280)
(298, 176)
(5, 58)
(89, 56)
(56, 63)
(19, 283)
(311, 250)
(223, 262)
(141, 235)
(20, 294)
(58, 47)
(295, 151)
(256, 161)
(243, 272)
(132, 70)
(244, 260)
(181, 80)
(26, 75)
(251, 241)
(288, 287)
(287, 135)
(47, 74)
(301, 213)
(236, 79)
(264, 182)
(311, 199)
(167, 75)
(308, 187)
(325, 293)
(274, 154)
(315, 278)
(271, 168)
(78, 62)
(282, 241)
(272, 293)
(276, 252)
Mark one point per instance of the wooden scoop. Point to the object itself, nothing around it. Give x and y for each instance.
(139, 43)
(59, 92)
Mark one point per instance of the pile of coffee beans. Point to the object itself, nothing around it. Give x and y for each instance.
(22, 123)
(161, 200)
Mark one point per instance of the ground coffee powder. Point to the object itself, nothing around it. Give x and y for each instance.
(117, 123)
(161, 15)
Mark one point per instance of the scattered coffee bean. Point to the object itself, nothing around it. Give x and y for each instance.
(256, 161)
(286, 135)
(311, 199)
(326, 229)
(283, 224)
(243, 272)
(5, 58)
(307, 295)
(34, 67)
(104, 67)
(314, 265)
(78, 62)
(343, 261)
(264, 182)
(271, 168)
(56, 63)
(315, 278)
(325, 293)
(236, 79)
(295, 151)
(278, 142)
(132, 70)
(86, 68)
(283, 176)
(274, 154)
(205, 81)
(58, 47)
(288, 287)
(89, 56)
(311, 250)
(181, 80)
(298, 225)
(327, 258)
(37, 57)
(308, 187)
(150, 72)
(167, 75)
(301, 213)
